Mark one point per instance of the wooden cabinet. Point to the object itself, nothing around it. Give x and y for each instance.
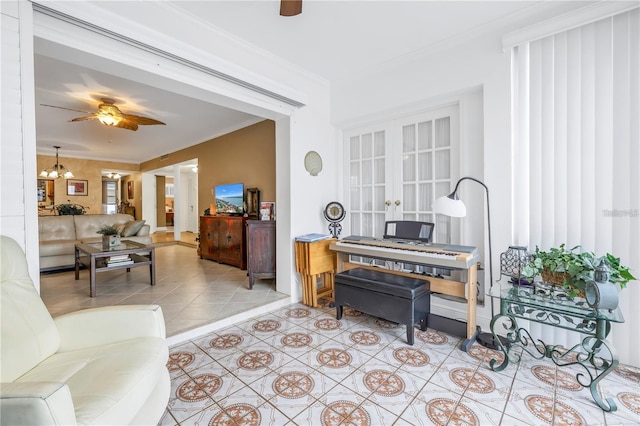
(222, 238)
(261, 250)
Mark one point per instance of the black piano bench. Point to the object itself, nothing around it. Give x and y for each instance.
(392, 297)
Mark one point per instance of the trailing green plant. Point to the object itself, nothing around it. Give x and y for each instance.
(576, 268)
(108, 230)
(70, 209)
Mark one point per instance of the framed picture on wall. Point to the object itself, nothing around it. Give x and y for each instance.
(77, 187)
(130, 190)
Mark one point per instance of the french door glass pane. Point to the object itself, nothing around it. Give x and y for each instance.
(443, 135)
(425, 171)
(367, 198)
(379, 141)
(356, 226)
(408, 167)
(408, 138)
(355, 173)
(378, 204)
(409, 197)
(367, 172)
(424, 135)
(367, 146)
(443, 160)
(379, 225)
(354, 147)
(424, 197)
(367, 224)
(379, 170)
(355, 198)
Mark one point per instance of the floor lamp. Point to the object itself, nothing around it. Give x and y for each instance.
(451, 205)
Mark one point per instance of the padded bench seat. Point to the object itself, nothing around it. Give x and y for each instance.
(393, 297)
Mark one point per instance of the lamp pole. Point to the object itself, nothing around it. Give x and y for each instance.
(485, 339)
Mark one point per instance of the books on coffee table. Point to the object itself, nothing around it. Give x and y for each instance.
(119, 259)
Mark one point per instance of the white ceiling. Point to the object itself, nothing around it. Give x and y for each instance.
(336, 40)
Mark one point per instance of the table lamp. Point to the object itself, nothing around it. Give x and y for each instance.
(451, 205)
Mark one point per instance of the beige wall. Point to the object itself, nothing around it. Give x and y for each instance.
(247, 155)
(89, 170)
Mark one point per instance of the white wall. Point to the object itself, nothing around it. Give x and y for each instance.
(454, 72)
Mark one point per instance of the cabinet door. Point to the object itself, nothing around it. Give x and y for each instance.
(230, 240)
(209, 238)
(261, 243)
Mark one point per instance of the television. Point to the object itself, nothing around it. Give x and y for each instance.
(230, 199)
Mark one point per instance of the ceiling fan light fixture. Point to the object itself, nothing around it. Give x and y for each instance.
(109, 120)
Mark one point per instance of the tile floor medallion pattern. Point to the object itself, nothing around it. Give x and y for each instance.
(301, 366)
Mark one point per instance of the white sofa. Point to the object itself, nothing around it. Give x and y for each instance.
(96, 366)
(59, 235)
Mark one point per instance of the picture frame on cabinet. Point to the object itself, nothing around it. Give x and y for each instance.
(267, 210)
(253, 201)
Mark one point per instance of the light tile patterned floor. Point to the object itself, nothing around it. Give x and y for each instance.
(300, 366)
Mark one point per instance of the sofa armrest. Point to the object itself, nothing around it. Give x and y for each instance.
(144, 231)
(36, 403)
(100, 326)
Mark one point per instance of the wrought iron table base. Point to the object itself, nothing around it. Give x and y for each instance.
(588, 354)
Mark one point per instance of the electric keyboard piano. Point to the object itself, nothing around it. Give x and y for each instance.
(453, 257)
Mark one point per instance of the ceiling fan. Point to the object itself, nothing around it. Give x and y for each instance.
(290, 7)
(110, 115)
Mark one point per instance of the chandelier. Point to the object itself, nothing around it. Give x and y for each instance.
(57, 171)
(113, 175)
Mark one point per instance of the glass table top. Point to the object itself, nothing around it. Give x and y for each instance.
(544, 297)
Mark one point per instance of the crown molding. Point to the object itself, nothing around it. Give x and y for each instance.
(567, 21)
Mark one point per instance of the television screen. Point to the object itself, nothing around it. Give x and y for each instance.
(229, 198)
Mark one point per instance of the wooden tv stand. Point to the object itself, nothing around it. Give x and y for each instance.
(222, 238)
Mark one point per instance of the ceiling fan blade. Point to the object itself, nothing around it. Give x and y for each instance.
(90, 117)
(68, 109)
(141, 120)
(127, 124)
(290, 7)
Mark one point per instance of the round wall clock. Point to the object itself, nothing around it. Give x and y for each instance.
(334, 213)
(313, 163)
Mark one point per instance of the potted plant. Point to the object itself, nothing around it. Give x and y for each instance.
(572, 269)
(110, 237)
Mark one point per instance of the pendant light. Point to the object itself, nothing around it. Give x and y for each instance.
(57, 171)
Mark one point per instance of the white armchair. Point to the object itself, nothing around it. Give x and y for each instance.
(95, 366)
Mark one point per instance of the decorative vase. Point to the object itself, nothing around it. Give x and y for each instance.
(110, 241)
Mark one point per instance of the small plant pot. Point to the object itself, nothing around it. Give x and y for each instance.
(110, 241)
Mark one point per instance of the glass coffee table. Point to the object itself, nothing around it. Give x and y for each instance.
(129, 254)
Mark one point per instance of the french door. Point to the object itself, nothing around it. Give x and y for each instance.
(398, 167)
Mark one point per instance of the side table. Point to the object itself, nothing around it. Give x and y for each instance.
(595, 355)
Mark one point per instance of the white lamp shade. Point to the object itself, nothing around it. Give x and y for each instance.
(449, 207)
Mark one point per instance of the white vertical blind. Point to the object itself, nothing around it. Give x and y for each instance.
(576, 154)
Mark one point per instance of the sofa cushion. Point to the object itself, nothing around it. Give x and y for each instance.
(108, 383)
(51, 228)
(87, 225)
(130, 228)
(57, 248)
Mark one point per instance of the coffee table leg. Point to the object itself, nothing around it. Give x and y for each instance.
(152, 266)
(92, 277)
